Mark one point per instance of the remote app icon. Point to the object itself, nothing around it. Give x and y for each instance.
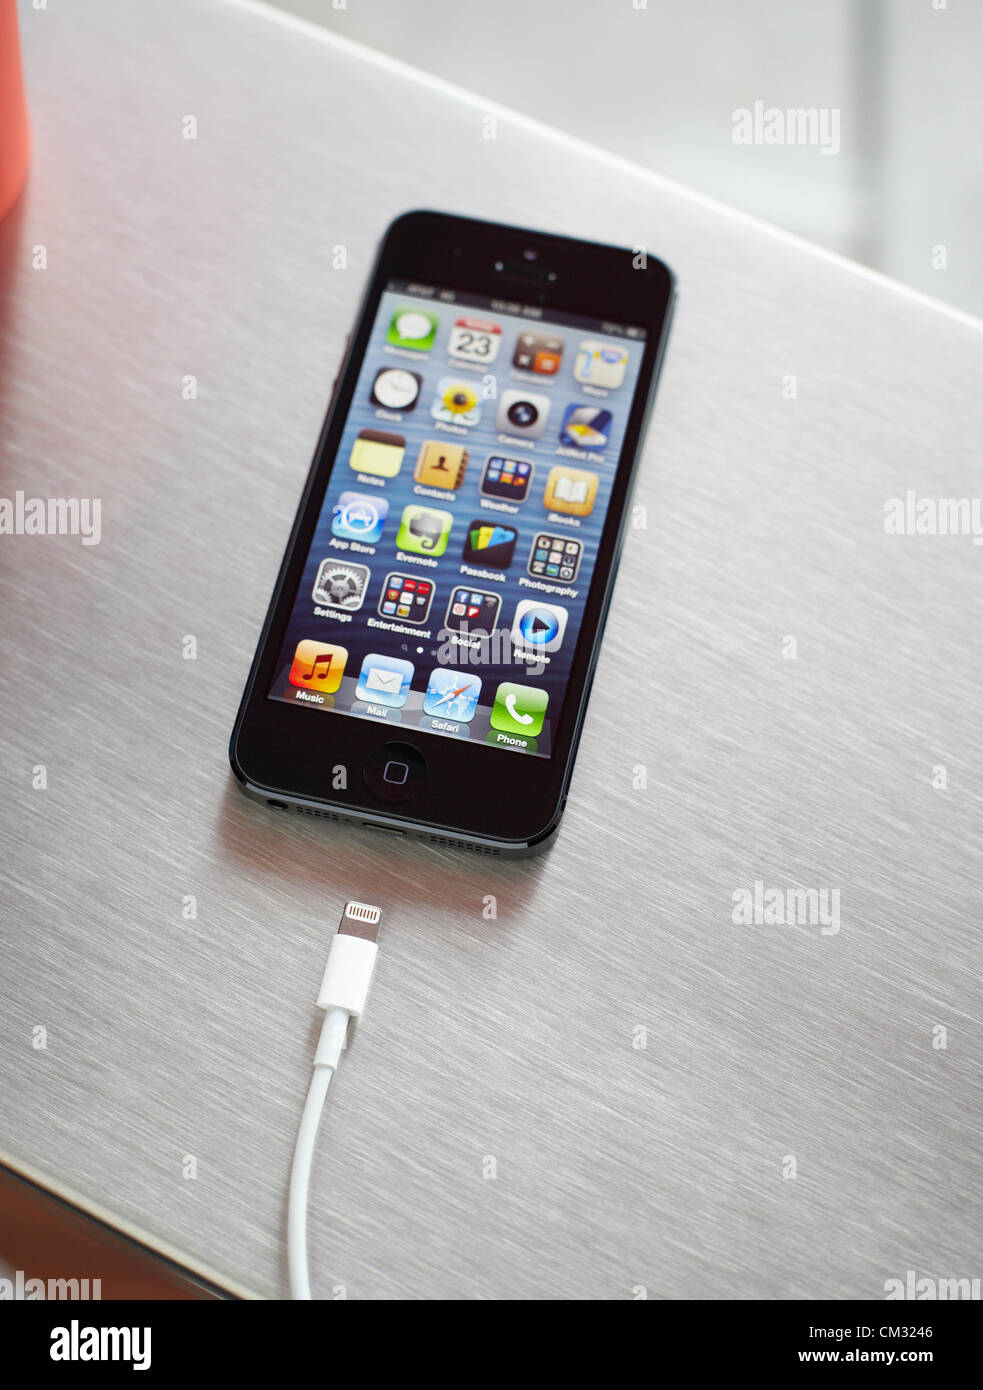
(571, 491)
(358, 517)
(340, 586)
(318, 666)
(585, 427)
(519, 709)
(453, 694)
(441, 465)
(378, 453)
(491, 546)
(522, 413)
(538, 352)
(539, 625)
(475, 340)
(384, 680)
(395, 388)
(413, 328)
(424, 531)
(407, 598)
(600, 364)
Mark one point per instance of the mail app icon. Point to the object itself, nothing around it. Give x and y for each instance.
(384, 680)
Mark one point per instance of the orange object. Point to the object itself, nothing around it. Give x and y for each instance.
(14, 130)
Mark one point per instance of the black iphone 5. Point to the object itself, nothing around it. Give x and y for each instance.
(430, 645)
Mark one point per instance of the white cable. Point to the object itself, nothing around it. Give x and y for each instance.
(344, 990)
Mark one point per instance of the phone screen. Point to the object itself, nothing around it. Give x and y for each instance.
(446, 582)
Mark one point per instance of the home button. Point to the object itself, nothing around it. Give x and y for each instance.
(395, 772)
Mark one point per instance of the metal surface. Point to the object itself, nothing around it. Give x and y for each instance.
(513, 1038)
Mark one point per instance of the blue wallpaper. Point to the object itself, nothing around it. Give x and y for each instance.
(533, 422)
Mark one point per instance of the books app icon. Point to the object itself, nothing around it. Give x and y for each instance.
(571, 491)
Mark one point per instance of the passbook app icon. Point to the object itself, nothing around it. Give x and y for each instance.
(318, 666)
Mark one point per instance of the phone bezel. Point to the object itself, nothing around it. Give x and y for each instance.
(286, 750)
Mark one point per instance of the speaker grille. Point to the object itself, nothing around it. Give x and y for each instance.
(462, 844)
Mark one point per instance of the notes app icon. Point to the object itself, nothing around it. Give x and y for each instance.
(378, 453)
(318, 666)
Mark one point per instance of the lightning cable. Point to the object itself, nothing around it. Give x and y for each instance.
(344, 990)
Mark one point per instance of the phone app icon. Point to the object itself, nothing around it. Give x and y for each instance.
(453, 694)
(475, 340)
(571, 491)
(378, 453)
(456, 402)
(554, 557)
(600, 364)
(472, 611)
(522, 412)
(384, 680)
(413, 328)
(538, 352)
(407, 598)
(340, 586)
(441, 465)
(506, 477)
(395, 388)
(519, 709)
(585, 427)
(491, 546)
(424, 531)
(358, 517)
(539, 625)
(318, 666)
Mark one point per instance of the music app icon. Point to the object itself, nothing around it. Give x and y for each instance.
(318, 666)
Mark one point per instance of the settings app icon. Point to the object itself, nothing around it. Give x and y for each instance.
(341, 586)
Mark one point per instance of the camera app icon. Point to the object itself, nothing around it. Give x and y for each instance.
(523, 413)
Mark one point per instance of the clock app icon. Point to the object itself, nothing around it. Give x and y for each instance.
(395, 388)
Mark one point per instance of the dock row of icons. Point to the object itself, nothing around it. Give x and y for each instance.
(479, 340)
(450, 694)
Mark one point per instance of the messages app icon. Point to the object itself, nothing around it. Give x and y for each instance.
(412, 328)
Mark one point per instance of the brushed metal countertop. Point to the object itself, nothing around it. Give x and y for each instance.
(513, 1039)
